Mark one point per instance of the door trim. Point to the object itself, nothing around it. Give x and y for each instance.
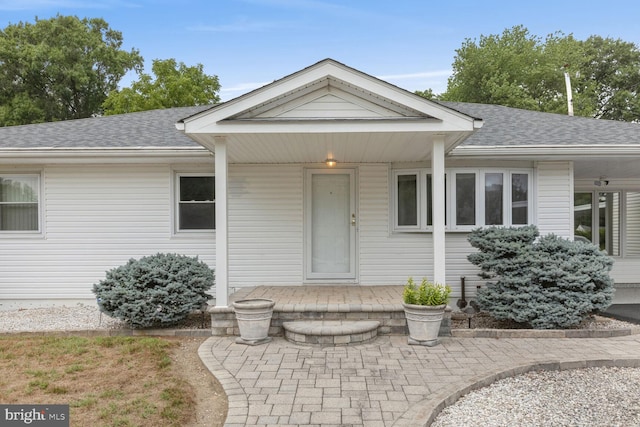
(309, 275)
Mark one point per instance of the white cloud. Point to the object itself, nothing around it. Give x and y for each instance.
(243, 87)
(241, 27)
(411, 76)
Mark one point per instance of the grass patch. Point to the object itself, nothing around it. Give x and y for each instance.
(105, 380)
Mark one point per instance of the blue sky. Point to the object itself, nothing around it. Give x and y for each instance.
(248, 43)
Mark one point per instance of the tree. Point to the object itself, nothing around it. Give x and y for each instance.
(521, 70)
(543, 282)
(611, 71)
(175, 85)
(59, 68)
(427, 93)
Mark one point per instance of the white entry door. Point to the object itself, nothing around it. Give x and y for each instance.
(330, 229)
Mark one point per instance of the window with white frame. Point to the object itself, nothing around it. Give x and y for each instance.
(19, 203)
(608, 219)
(196, 202)
(473, 198)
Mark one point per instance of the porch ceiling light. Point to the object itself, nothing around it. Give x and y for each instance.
(331, 162)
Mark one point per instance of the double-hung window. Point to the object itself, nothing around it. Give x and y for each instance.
(195, 201)
(19, 203)
(473, 198)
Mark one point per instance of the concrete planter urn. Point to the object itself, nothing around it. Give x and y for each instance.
(423, 322)
(424, 308)
(254, 319)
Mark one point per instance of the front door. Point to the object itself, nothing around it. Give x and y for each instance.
(330, 229)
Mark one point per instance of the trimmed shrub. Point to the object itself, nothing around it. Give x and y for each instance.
(155, 291)
(548, 283)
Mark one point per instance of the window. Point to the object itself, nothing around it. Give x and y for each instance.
(472, 198)
(465, 189)
(519, 198)
(196, 202)
(493, 198)
(609, 220)
(407, 206)
(19, 203)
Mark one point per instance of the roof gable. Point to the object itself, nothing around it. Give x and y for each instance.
(324, 91)
(329, 98)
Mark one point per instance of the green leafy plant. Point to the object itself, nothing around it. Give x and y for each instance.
(426, 294)
(543, 282)
(155, 291)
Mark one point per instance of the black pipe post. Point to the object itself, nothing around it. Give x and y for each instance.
(462, 302)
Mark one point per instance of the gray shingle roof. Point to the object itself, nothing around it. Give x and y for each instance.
(505, 126)
(154, 128)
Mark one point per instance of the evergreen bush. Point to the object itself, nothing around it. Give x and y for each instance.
(155, 291)
(548, 283)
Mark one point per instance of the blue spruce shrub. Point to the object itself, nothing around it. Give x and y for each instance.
(548, 283)
(155, 291)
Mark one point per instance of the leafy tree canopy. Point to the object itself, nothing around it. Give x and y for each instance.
(60, 68)
(518, 69)
(427, 93)
(175, 85)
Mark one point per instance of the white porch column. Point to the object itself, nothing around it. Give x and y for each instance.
(438, 209)
(222, 238)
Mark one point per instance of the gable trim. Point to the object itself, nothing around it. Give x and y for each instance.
(307, 80)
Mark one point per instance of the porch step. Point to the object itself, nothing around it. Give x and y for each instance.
(331, 332)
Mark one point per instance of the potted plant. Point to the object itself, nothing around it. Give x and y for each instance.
(424, 308)
(254, 319)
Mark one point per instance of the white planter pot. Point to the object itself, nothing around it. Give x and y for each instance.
(254, 319)
(424, 323)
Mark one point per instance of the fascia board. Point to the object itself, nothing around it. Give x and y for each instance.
(573, 151)
(100, 155)
(331, 126)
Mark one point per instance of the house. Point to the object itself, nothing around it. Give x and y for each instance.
(326, 176)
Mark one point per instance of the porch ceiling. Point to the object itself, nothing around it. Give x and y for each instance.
(627, 168)
(361, 147)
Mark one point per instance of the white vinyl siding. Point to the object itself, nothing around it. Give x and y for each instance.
(96, 218)
(337, 104)
(386, 258)
(555, 198)
(265, 225)
(632, 234)
(390, 258)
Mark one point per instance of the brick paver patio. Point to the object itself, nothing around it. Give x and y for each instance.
(386, 382)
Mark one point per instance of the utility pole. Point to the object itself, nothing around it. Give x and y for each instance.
(567, 82)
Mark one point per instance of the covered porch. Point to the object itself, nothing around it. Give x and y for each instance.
(328, 122)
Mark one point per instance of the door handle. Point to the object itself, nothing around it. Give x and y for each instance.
(353, 219)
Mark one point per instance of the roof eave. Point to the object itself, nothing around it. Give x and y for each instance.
(556, 151)
(42, 155)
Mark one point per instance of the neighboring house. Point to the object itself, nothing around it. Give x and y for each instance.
(328, 175)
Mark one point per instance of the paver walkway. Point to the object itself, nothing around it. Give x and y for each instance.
(386, 382)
